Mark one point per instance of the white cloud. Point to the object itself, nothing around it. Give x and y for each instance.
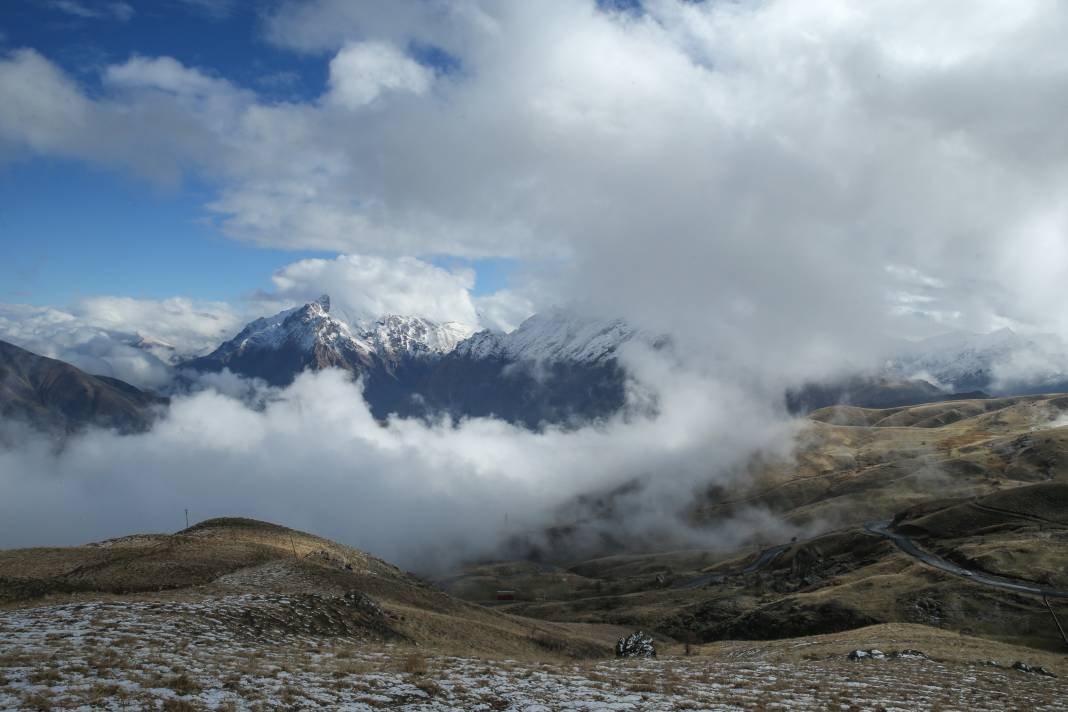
(419, 495)
(44, 108)
(190, 326)
(363, 287)
(504, 310)
(120, 11)
(163, 73)
(744, 171)
(362, 71)
(130, 339)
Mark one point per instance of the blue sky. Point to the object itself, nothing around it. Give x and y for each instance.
(71, 230)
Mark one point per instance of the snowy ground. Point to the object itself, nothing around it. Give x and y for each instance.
(225, 654)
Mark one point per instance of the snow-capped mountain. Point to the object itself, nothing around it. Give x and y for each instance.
(953, 365)
(555, 367)
(555, 336)
(998, 362)
(277, 348)
(394, 337)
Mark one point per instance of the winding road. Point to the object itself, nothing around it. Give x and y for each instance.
(908, 546)
(765, 558)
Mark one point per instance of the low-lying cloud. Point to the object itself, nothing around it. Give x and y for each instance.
(311, 456)
(135, 340)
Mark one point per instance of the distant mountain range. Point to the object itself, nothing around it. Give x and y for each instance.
(1001, 362)
(57, 397)
(950, 366)
(557, 368)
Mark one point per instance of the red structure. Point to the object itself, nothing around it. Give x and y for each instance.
(506, 595)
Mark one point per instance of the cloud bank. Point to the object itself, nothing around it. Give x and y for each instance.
(421, 495)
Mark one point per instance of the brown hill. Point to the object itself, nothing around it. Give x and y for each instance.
(265, 580)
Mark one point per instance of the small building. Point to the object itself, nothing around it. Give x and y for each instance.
(506, 595)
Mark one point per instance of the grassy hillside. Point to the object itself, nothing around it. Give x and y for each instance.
(982, 483)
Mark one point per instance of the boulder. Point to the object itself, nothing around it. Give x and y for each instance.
(873, 654)
(636, 645)
(1033, 669)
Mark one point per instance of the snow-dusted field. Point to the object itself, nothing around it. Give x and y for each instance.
(224, 654)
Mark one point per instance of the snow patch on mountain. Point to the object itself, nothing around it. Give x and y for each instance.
(554, 336)
(393, 337)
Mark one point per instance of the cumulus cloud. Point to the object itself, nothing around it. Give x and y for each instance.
(364, 287)
(362, 71)
(43, 105)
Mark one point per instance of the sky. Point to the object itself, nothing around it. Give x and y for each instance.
(74, 229)
(785, 188)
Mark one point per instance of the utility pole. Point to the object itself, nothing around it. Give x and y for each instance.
(186, 518)
(1063, 636)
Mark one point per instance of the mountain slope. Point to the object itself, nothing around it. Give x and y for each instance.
(56, 396)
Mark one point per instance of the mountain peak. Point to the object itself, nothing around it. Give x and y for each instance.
(315, 309)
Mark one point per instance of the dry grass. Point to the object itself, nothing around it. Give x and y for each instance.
(415, 663)
(183, 684)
